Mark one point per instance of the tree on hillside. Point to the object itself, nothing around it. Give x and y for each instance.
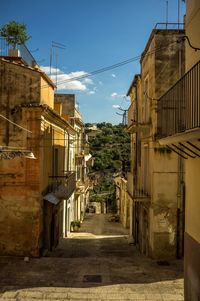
(15, 33)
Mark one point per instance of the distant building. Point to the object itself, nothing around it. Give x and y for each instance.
(83, 158)
(93, 127)
(122, 200)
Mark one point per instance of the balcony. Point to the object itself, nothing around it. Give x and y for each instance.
(61, 187)
(21, 53)
(133, 124)
(79, 158)
(136, 189)
(179, 109)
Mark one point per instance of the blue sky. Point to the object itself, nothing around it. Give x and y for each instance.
(97, 33)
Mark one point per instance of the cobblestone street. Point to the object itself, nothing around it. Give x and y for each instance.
(94, 264)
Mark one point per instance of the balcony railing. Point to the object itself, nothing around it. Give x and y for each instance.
(21, 51)
(169, 26)
(179, 107)
(63, 186)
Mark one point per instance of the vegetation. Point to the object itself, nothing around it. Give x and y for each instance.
(15, 33)
(111, 149)
(75, 223)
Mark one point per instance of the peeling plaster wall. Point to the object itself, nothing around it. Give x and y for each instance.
(157, 169)
(24, 182)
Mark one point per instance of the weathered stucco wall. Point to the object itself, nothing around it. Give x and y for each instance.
(68, 103)
(26, 220)
(46, 93)
(21, 216)
(193, 32)
(192, 198)
(162, 64)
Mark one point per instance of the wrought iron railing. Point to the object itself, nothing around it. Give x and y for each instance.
(63, 185)
(7, 50)
(179, 107)
(169, 26)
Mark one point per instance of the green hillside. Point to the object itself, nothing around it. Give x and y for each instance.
(110, 146)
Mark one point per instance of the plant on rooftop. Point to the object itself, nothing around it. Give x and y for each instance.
(15, 33)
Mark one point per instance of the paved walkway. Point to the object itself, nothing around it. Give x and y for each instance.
(95, 264)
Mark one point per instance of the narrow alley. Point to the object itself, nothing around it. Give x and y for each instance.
(94, 264)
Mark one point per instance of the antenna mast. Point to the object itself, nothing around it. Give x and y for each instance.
(178, 12)
(55, 45)
(166, 13)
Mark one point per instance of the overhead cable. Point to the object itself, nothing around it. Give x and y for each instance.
(19, 126)
(128, 61)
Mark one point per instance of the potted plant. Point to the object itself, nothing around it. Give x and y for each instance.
(75, 225)
(15, 35)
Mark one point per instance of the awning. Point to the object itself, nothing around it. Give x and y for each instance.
(63, 192)
(50, 197)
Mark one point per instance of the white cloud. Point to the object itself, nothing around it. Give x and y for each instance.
(88, 81)
(91, 92)
(100, 83)
(62, 79)
(116, 106)
(63, 84)
(113, 75)
(46, 69)
(115, 94)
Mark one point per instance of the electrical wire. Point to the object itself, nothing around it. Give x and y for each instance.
(19, 126)
(128, 61)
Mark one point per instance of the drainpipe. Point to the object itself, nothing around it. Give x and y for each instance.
(180, 205)
(135, 168)
(180, 193)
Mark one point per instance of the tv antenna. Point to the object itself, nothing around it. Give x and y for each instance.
(55, 45)
(178, 12)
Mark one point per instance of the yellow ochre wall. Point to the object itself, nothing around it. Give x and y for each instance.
(47, 93)
(192, 31)
(193, 198)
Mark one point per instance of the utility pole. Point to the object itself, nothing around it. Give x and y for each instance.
(124, 114)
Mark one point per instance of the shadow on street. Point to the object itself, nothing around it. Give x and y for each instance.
(97, 256)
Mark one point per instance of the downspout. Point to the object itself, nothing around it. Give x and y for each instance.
(68, 152)
(180, 192)
(135, 168)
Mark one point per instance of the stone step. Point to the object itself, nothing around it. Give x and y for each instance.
(86, 295)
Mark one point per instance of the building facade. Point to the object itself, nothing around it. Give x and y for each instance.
(81, 152)
(180, 105)
(32, 192)
(153, 206)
